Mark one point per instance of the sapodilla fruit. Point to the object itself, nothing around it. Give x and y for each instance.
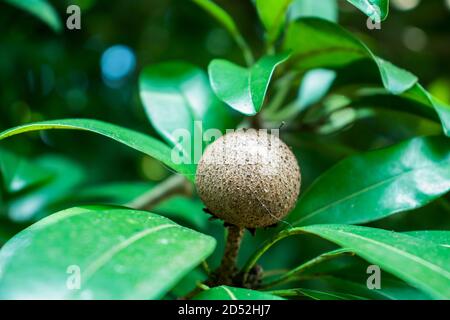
(248, 178)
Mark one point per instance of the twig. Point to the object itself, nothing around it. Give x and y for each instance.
(256, 122)
(283, 87)
(202, 286)
(173, 185)
(199, 287)
(273, 273)
(206, 268)
(228, 269)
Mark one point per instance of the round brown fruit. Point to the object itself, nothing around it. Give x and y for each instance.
(248, 178)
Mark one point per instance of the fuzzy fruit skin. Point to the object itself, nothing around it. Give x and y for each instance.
(248, 178)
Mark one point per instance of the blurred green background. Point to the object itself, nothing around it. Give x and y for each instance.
(93, 73)
(44, 75)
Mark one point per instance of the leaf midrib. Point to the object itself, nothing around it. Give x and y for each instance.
(314, 53)
(415, 258)
(104, 258)
(370, 187)
(229, 293)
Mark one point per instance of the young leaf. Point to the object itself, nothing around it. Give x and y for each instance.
(377, 10)
(325, 9)
(318, 43)
(377, 184)
(40, 9)
(177, 96)
(37, 203)
(229, 293)
(421, 263)
(132, 139)
(314, 87)
(243, 89)
(273, 15)
(18, 173)
(117, 254)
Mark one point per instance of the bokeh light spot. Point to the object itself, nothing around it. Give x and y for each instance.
(218, 42)
(405, 5)
(117, 63)
(415, 39)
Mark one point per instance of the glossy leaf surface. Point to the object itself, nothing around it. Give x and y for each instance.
(130, 138)
(41, 9)
(421, 263)
(230, 293)
(318, 43)
(243, 89)
(376, 184)
(117, 254)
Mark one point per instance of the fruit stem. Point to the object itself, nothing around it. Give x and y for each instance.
(256, 122)
(228, 269)
(174, 185)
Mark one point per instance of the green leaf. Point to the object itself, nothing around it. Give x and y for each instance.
(416, 101)
(391, 288)
(316, 294)
(219, 14)
(228, 23)
(377, 184)
(38, 202)
(177, 96)
(325, 9)
(314, 86)
(273, 15)
(130, 138)
(318, 43)
(377, 10)
(243, 89)
(440, 237)
(189, 283)
(395, 289)
(120, 253)
(421, 263)
(229, 293)
(18, 173)
(40, 9)
(419, 94)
